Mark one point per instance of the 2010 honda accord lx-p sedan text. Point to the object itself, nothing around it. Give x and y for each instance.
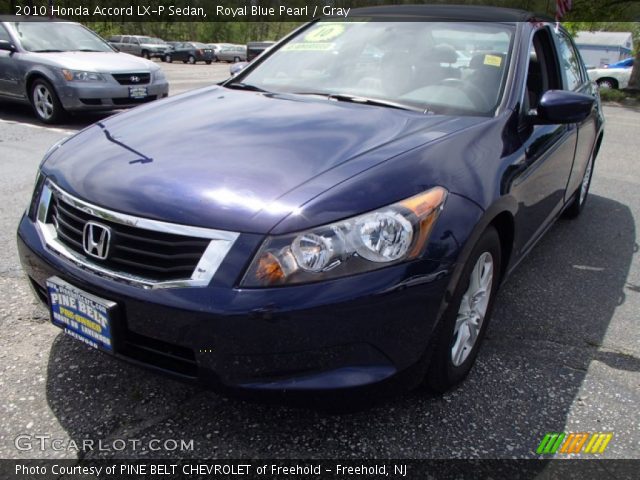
(339, 215)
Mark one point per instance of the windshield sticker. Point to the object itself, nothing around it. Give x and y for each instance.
(325, 33)
(493, 60)
(308, 47)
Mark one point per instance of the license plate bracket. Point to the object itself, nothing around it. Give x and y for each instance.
(83, 316)
(138, 92)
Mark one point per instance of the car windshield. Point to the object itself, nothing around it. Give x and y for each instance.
(58, 37)
(441, 67)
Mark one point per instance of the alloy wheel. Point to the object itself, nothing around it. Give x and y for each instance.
(43, 101)
(473, 309)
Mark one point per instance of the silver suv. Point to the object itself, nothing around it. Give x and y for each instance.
(139, 45)
(60, 67)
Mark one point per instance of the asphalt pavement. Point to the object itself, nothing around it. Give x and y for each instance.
(562, 353)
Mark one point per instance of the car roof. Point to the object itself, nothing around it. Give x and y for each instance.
(463, 13)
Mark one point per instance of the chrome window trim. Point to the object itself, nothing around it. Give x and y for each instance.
(218, 248)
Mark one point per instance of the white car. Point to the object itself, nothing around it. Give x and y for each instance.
(610, 77)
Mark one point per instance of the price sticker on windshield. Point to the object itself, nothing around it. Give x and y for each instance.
(325, 32)
(493, 60)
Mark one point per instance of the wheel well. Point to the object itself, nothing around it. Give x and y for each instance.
(32, 78)
(503, 223)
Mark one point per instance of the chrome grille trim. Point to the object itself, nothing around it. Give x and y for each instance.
(219, 246)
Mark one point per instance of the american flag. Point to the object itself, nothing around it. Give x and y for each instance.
(562, 7)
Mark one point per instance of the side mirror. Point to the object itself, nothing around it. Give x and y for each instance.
(235, 68)
(7, 45)
(560, 106)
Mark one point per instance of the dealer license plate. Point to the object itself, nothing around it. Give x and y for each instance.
(138, 92)
(83, 316)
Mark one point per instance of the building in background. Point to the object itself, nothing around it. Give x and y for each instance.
(602, 48)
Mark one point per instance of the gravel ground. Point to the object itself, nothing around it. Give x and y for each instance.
(562, 352)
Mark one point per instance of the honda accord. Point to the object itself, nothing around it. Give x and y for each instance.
(337, 216)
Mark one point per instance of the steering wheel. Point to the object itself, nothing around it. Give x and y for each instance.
(477, 96)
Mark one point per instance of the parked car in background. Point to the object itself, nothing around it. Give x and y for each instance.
(139, 45)
(61, 67)
(231, 53)
(610, 77)
(352, 227)
(626, 63)
(189, 52)
(256, 48)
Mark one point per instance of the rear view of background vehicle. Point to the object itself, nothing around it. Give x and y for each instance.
(256, 48)
(61, 67)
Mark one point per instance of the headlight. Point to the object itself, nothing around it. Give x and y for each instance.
(32, 209)
(367, 242)
(158, 75)
(78, 76)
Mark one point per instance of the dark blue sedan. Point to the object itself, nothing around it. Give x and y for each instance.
(328, 218)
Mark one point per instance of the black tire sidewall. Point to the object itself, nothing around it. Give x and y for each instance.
(575, 208)
(443, 374)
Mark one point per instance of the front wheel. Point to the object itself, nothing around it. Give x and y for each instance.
(167, 58)
(607, 83)
(580, 197)
(208, 62)
(192, 59)
(466, 319)
(45, 102)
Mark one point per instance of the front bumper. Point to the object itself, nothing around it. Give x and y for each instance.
(353, 332)
(107, 95)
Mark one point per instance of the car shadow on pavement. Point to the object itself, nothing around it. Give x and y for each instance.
(23, 114)
(549, 330)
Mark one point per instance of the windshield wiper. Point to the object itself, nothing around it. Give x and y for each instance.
(48, 50)
(244, 86)
(343, 97)
(87, 50)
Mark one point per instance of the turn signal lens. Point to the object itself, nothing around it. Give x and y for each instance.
(389, 235)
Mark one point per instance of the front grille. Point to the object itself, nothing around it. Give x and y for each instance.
(133, 101)
(144, 253)
(132, 78)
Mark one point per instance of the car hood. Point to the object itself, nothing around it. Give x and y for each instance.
(104, 62)
(226, 159)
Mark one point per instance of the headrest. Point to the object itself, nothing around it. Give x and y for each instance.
(444, 53)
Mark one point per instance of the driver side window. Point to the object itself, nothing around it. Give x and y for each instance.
(542, 73)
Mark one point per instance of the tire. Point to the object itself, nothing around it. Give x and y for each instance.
(607, 83)
(236, 59)
(214, 59)
(191, 60)
(208, 62)
(167, 58)
(146, 55)
(456, 347)
(45, 102)
(582, 193)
